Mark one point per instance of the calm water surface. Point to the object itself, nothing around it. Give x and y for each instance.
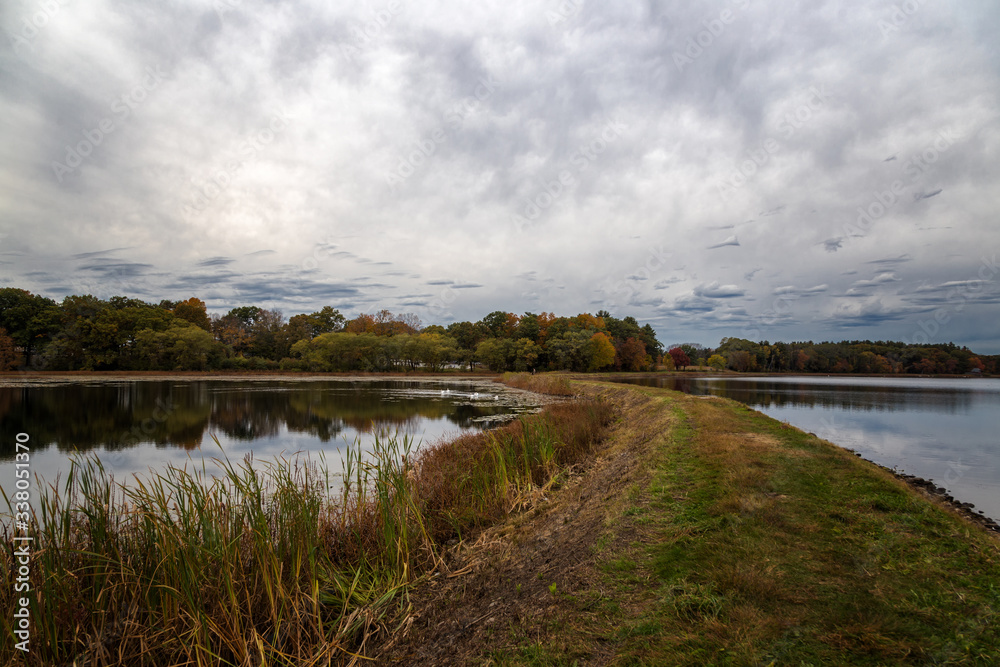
(138, 425)
(944, 429)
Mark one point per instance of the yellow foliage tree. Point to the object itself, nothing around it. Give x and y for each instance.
(601, 352)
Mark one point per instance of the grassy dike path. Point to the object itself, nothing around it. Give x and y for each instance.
(707, 533)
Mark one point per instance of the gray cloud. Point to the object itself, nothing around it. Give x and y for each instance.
(791, 290)
(732, 240)
(717, 291)
(216, 261)
(247, 156)
(834, 244)
(917, 196)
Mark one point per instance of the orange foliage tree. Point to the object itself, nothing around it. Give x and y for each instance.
(194, 311)
(632, 355)
(8, 351)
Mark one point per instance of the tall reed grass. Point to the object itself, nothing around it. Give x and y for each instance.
(268, 563)
(542, 383)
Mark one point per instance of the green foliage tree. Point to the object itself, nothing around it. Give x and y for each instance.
(569, 351)
(500, 324)
(529, 327)
(266, 339)
(467, 334)
(526, 354)
(30, 320)
(494, 353)
(182, 347)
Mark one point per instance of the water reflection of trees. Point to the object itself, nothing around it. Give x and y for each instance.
(182, 414)
(851, 397)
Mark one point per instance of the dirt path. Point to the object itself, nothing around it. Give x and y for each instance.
(707, 533)
(520, 581)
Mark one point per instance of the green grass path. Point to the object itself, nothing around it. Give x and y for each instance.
(758, 544)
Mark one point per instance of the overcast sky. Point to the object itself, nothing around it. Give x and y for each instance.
(767, 170)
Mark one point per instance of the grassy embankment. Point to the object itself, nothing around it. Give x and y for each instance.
(268, 566)
(705, 533)
(709, 533)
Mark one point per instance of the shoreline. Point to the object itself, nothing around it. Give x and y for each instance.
(599, 376)
(925, 486)
(681, 529)
(940, 494)
(699, 534)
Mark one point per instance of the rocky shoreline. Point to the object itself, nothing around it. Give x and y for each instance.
(932, 490)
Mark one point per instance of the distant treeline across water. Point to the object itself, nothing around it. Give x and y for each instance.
(125, 334)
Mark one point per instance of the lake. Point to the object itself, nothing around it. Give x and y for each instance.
(133, 425)
(943, 429)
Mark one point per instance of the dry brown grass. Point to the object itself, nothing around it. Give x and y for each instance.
(542, 383)
(477, 479)
(266, 567)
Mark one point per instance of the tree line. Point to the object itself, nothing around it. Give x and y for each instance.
(858, 356)
(121, 333)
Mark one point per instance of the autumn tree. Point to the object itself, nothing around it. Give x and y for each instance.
(740, 360)
(632, 356)
(545, 320)
(194, 311)
(234, 329)
(363, 323)
(600, 352)
(8, 351)
(500, 324)
(680, 357)
(587, 322)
